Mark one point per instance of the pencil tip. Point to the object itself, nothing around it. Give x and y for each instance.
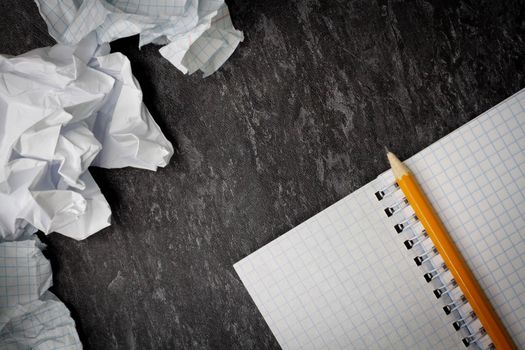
(386, 149)
(397, 166)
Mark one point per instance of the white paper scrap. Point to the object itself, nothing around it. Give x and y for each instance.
(62, 110)
(198, 34)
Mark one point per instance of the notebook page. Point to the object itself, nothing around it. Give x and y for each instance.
(343, 278)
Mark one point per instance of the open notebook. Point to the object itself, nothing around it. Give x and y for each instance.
(343, 279)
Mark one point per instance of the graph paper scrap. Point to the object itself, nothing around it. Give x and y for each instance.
(31, 317)
(26, 273)
(343, 279)
(198, 34)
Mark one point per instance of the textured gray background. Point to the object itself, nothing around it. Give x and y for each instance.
(295, 120)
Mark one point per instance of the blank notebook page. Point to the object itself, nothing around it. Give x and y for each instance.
(343, 279)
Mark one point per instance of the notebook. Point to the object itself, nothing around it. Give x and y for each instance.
(343, 278)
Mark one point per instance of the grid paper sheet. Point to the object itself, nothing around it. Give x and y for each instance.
(343, 278)
(197, 34)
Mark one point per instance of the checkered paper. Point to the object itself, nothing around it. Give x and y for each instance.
(25, 273)
(343, 278)
(30, 316)
(197, 34)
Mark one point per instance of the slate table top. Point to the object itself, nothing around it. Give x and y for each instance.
(295, 120)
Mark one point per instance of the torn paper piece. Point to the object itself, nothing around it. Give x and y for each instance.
(30, 316)
(208, 50)
(41, 324)
(25, 274)
(198, 34)
(62, 111)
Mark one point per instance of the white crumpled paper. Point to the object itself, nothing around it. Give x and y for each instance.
(63, 109)
(31, 317)
(197, 34)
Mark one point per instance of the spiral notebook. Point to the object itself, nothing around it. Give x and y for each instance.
(344, 279)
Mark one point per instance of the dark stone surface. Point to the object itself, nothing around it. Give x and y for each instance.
(295, 120)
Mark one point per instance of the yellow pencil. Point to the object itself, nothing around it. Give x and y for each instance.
(451, 256)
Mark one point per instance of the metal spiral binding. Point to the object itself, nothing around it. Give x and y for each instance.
(474, 337)
(396, 207)
(427, 256)
(455, 305)
(435, 270)
(407, 223)
(447, 289)
(385, 192)
(416, 240)
(464, 322)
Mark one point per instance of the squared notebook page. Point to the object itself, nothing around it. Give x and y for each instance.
(343, 279)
